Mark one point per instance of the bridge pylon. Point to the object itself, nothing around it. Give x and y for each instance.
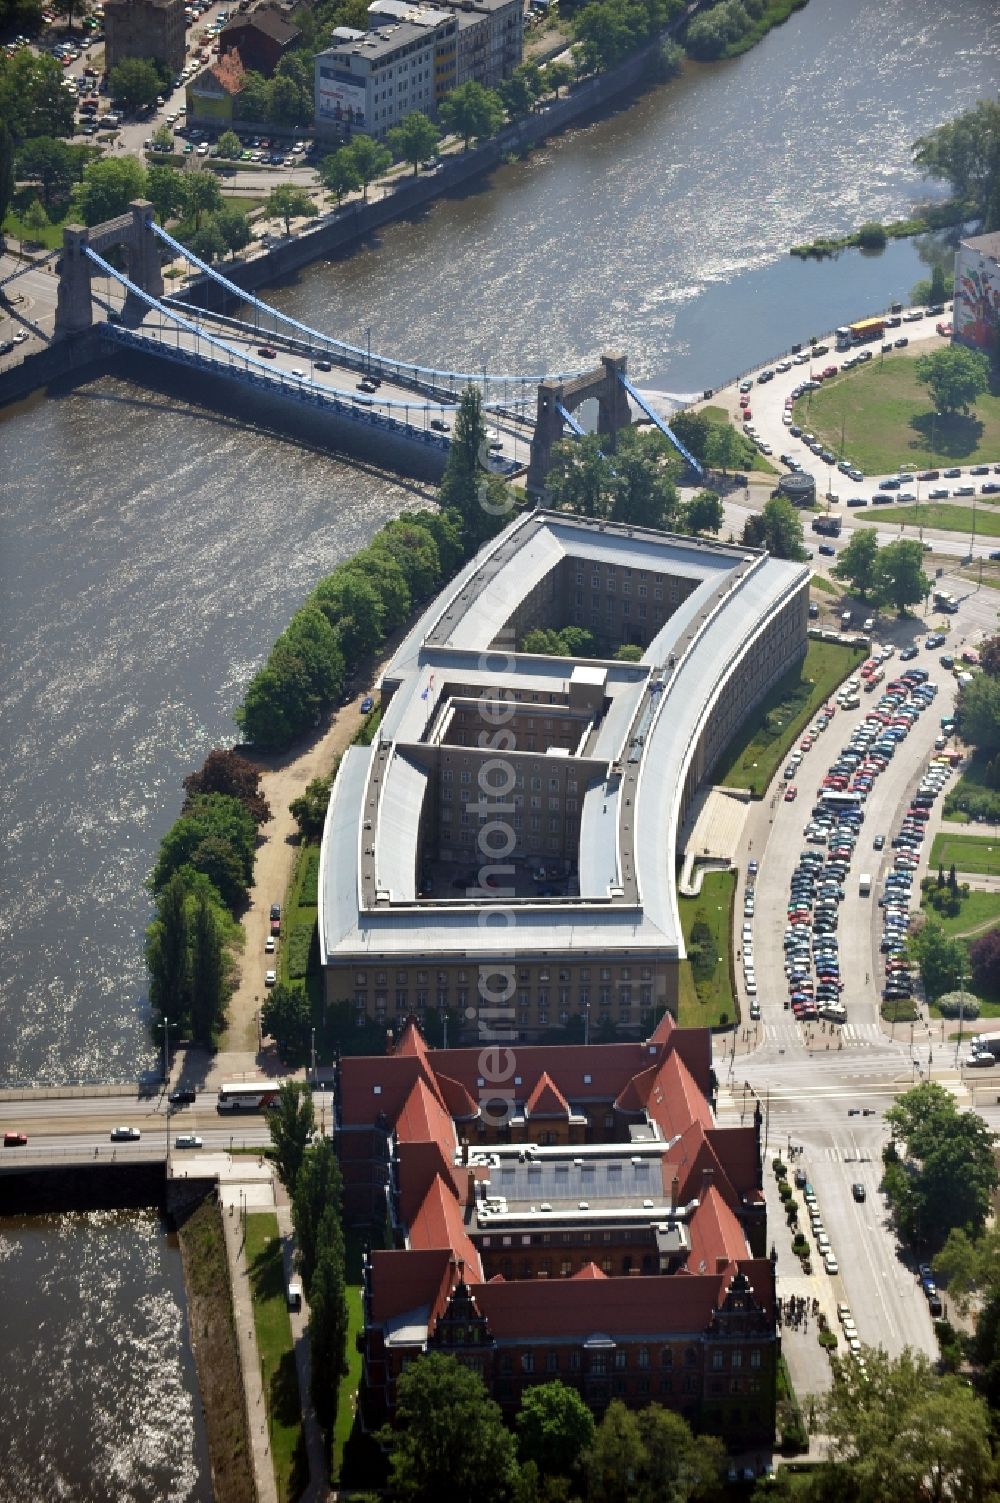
(613, 412)
(134, 231)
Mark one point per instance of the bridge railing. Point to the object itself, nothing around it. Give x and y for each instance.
(399, 369)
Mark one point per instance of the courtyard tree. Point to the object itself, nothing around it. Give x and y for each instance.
(414, 140)
(954, 376)
(291, 1125)
(449, 1440)
(857, 562)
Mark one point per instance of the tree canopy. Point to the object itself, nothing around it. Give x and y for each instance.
(472, 112)
(778, 528)
(287, 202)
(135, 82)
(633, 483)
(109, 185)
(939, 1167)
(955, 377)
(554, 1429)
(226, 771)
(33, 101)
(900, 580)
(291, 1128)
(978, 712)
(414, 140)
(965, 152)
(449, 1441)
(857, 562)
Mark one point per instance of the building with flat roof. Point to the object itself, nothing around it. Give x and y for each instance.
(976, 308)
(512, 834)
(608, 1234)
(144, 28)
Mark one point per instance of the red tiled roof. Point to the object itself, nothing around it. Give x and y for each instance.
(418, 1165)
(546, 1100)
(736, 1150)
(422, 1118)
(403, 1281)
(411, 1041)
(695, 1157)
(633, 1098)
(661, 1034)
(715, 1233)
(549, 1308)
(589, 1271)
(675, 1101)
(609, 1067)
(439, 1223)
(456, 1098)
(229, 72)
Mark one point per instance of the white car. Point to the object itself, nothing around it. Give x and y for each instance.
(125, 1135)
(269, 945)
(187, 1140)
(270, 978)
(830, 1263)
(20, 337)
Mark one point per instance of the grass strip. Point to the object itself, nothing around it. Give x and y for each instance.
(978, 854)
(706, 998)
(277, 1355)
(754, 756)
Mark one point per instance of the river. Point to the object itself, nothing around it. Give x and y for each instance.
(150, 552)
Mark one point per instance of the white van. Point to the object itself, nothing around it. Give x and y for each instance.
(864, 885)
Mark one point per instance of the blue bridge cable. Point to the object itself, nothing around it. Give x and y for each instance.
(333, 395)
(314, 335)
(569, 420)
(664, 428)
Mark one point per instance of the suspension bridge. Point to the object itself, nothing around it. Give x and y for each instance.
(395, 410)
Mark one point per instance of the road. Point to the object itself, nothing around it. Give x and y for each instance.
(77, 1126)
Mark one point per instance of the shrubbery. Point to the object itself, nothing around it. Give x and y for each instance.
(959, 1004)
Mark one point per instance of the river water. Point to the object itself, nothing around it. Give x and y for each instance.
(97, 1383)
(150, 551)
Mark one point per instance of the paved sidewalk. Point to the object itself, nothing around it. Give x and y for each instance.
(255, 1196)
(319, 1482)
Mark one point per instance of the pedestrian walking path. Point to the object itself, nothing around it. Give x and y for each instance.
(319, 1483)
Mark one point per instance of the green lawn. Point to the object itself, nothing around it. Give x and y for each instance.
(752, 458)
(976, 911)
(967, 853)
(949, 517)
(714, 1004)
(15, 229)
(277, 1355)
(752, 759)
(819, 583)
(885, 415)
(300, 913)
(350, 1383)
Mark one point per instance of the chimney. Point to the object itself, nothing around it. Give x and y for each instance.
(707, 1177)
(721, 1264)
(675, 1187)
(465, 1150)
(388, 1041)
(473, 1182)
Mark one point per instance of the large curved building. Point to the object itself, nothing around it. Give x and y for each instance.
(507, 848)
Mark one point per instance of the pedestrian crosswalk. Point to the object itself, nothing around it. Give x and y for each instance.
(852, 1033)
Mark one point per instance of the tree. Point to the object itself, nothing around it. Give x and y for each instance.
(33, 101)
(213, 821)
(694, 431)
(339, 172)
(414, 141)
(414, 552)
(287, 103)
(371, 160)
(520, 92)
(167, 953)
(857, 563)
(984, 961)
(202, 195)
(165, 191)
(939, 285)
(724, 447)
(558, 76)
(631, 652)
(52, 164)
(288, 202)
(965, 152)
(352, 604)
(286, 1016)
(956, 377)
(109, 186)
(899, 574)
(978, 712)
(948, 1173)
(254, 98)
(450, 1440)
(229, 145)
(309, 809)
(703, 513)
(941, 959)
(206, 243)
(463, 485)
(328, 1322)
(208, 972)
(616, 1457)
(677, 1465)
(472, 112)
(989, 655)
(6, 173)
(35, 218)
(226, 771)
(134, 83)
(234, 227)
(554, 1429)
(778, 528)
(291, 1126)
(903, 1434)
(318, 1189)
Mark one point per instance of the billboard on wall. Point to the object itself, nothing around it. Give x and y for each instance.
(340, 101)
(977, 300)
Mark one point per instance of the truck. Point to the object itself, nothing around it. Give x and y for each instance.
(866, 329)
(828, 523)
(945, 602)
(864, 885)
(987, 1043)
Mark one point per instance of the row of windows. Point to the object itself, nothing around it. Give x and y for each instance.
(501, 780)
(642, 590)
(442, 978)
(462, 998)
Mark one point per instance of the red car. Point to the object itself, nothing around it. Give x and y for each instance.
(791, 793)
(14, 1139)
(267, 352)
(830, 370)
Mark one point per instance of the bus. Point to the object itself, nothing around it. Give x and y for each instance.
(248, 1096)
(867, 329)
(830, 798)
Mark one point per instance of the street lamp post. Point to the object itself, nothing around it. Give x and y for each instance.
(165, 1025)
(961, 1013)
(312, 1051)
